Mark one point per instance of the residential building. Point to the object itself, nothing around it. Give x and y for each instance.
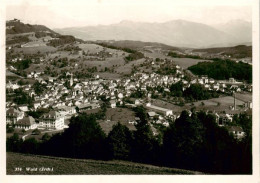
(26, 123)
(52, 120)
(13, 115)
(237, 131)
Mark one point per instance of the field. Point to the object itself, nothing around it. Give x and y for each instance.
(215, 104)
(182, 62)
(107, 75)
(66, 166)
(224, 103)
(35, 50)
(94, 48)
(187, 62)
(244, 96)
(114, 115)
(12, 75)
(90, 48)
(28, 133)
(127, 68)
(167, 105)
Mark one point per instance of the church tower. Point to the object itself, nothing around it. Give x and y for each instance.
(71, 79)
(234, 101)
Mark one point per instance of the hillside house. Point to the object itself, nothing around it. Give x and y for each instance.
(37, 104)
(152, 115)
(67, 110)
(237, 131)
(13, 115)
(13, 86)
(224, 119)
(112, 103)
(23, 108)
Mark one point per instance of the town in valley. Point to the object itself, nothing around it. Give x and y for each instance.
(53, 79)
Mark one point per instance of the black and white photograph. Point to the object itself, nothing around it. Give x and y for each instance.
(148, 90)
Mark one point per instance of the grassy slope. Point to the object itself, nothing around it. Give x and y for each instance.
(66, 166)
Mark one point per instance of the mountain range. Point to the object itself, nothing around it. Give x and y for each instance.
(180, 33)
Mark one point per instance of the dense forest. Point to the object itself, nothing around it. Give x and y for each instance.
(240, 51)
(191, 142)
(134, 54)
(223, 69)
(193, 93)
(176, 55)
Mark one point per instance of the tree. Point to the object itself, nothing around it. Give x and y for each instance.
(36, 132)
(13, 143)
(84, 138)
(46, 137)
(30, 145)
(77, 109)
(120, 140)
(183, 141)
(145, 145)
(39, 88)
(21, 97)
(223, 69)
(9, 129)
(176, 89)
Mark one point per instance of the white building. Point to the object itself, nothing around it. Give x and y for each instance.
(52, 120)
(166, 112)
(13, 115)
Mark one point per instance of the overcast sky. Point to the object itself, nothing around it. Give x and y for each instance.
(72, 13)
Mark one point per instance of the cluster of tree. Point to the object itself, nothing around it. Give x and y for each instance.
(83, 75)
(128, 50)
(50, 71)
(134, 56)
(245, 121)
(22, 82)
(138, 94)
(166, 69)
(19, 27)
(18, 39)
(194, 92)
(37, 114)
(22, 98)
(60, 63)
(62, 39)
(191, 142)
(240, 51)
(40, 34)
(176, 55)
(39, 88)
(223, 69)
(71, 48)
(21, 65)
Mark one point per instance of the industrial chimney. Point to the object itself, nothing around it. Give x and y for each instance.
(234, 101)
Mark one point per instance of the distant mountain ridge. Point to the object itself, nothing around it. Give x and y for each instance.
(240, 29)
(180, 33)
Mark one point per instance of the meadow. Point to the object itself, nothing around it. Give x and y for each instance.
(67, 166)
(182, 62)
